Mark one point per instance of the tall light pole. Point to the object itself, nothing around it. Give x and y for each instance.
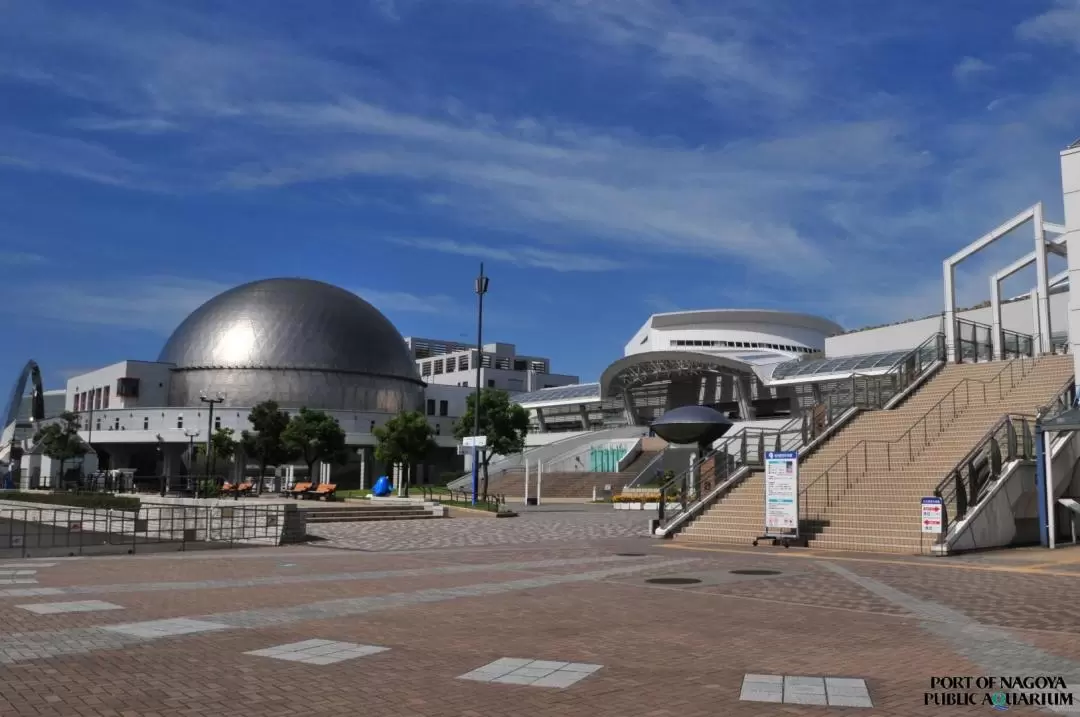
(192, 434)
(218, 398)
(481, 289)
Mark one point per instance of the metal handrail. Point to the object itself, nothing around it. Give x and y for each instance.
(804, 435)
(864, 445)
(959, 494)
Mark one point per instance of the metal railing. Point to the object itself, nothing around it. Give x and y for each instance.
(487, 501)
(822, 492)
(38, 531)
(862, 392)
(1016, 345)
(974, 341)
(1012, 438)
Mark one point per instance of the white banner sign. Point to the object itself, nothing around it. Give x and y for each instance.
(931, 515)
(781, 494)
(477, 441)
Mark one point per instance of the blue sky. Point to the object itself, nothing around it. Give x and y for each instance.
(605, 159)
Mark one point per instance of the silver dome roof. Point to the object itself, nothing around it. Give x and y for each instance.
(290, 324)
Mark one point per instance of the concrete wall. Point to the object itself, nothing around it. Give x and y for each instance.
(1070, 187)
(1015, 316)
(172, 520)
(153, 384)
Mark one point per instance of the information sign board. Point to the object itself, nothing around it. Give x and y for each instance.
(781, 494)
(932, 514)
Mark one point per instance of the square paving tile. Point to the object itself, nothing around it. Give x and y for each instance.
(804, 690)
(536, 673)
(318, 652)
(30, 592)
(165, 628)
(53, 608)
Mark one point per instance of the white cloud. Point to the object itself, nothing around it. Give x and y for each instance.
(520, 255)
(391, 302)
(968, 68)
(824, 207)
(159, 303)
(1059, 25)
(134, 125)
(20, 258)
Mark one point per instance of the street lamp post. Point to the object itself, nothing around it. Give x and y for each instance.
(218, 398)
(191, 434)
(481, 289)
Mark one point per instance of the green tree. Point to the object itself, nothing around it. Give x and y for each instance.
(503, 422)
(407, 439)
(223, 443)
(266, 443)
(60, 440)
(315, 436)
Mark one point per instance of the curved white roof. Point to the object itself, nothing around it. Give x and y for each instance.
(743, 316)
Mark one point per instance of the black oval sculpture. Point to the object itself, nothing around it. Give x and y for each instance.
(691, 424)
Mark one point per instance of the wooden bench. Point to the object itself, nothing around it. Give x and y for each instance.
(325, 491)
(242, 489)
(297, 490)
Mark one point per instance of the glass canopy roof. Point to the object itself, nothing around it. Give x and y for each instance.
(580, 392)
(843, 364)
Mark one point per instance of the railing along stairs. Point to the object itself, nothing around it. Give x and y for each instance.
(826, 490)
(732, 460)
(1011, 439)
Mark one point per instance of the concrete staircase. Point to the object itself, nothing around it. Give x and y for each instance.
(867, 479)
(354, 513)
(880, 511)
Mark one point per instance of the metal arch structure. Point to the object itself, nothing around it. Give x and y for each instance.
(638, 370)
(622, 377)
(37, 402)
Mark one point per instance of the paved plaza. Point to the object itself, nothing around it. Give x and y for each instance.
(552, 613)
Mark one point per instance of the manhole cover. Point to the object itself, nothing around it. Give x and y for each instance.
(630, 555)
(673, 581)
(755, 572)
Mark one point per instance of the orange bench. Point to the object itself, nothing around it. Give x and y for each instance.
(297, 490)
(243, 489)
(323, 490)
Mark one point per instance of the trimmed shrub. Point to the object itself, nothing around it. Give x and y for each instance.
(95, 501)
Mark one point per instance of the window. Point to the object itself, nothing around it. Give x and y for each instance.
(438, 366)
(97, 427)
(444, 408)
(463, 363)
(425, 368)
(371, 429)
(97, 399)
(127, 387)
(180, 420)
(146, 423)
(116, 424)
(431, 407)
(105, 400)
(491, 383)
(521, 365)
(217, 423)
(438, 429)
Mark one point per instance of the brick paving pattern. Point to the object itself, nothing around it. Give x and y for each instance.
(429, 624)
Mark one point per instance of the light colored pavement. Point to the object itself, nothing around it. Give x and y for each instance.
(555, 613)
(552, 524)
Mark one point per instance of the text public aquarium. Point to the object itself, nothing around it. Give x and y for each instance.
(999, 692)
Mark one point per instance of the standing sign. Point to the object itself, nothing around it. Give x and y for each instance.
(932, 511)
(474, 441)
(781, 494)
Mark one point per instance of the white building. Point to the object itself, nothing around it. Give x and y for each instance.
(450, 363)
(719, 357)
